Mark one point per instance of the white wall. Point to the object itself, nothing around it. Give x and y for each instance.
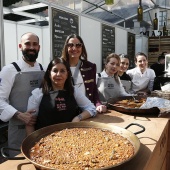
(141, 44)
(90, 31)
(46, 46)
(10, 40)
(12, 37)
(120, 41)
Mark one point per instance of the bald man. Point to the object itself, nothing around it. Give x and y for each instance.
(17, 80)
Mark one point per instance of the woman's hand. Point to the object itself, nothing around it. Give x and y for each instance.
(101, 109)
(76, 119)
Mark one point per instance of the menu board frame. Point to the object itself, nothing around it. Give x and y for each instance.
(131, 42)
(62, 24)
(108, 41)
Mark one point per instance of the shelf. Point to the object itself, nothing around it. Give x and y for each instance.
(156, 46)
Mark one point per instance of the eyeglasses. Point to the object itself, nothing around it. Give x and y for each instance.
(77, 45)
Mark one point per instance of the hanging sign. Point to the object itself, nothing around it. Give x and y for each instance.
(155, 33)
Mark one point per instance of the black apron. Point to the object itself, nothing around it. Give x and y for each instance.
(56, 107)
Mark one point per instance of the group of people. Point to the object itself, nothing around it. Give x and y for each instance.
(69, 90)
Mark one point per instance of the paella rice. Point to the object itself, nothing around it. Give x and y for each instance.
(81, 149)
(130, 103)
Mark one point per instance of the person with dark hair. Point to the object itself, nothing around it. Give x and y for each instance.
(141, 76)
(124, 77)
(18, 79)
(83, 71)
(124, 65)
(159, 67)
(108, 81)
(57, 101)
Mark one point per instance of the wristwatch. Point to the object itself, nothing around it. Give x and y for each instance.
(80, 116)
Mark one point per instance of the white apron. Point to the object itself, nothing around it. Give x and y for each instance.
(108, 88)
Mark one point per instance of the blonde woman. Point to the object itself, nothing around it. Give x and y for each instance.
(108, 81)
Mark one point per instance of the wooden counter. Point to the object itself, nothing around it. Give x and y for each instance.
(153, 152)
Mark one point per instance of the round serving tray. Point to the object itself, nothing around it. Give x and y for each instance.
(132, 111)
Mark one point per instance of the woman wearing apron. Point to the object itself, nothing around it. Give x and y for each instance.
(58, 101)
(108, 81)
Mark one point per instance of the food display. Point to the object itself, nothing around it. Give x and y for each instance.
(81, 149)
(130, 103)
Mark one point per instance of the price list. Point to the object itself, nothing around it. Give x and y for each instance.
(131, 49)
(108, 41)
(63, 24)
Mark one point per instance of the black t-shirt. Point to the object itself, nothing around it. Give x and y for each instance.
(125, 77)
(158, 68)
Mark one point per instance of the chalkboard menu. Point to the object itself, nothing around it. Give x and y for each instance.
(108, 41)
(131, 49)
(63, 24)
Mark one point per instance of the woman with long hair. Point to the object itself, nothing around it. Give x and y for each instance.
(83, 71)
(57, 101)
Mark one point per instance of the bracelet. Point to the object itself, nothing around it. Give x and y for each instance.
(80, 116)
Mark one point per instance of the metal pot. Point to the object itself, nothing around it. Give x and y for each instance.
(132, 111)
(30, 141)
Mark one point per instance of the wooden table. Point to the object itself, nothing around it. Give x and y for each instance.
(153, 152)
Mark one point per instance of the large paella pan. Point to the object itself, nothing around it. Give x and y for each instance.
(31, 141)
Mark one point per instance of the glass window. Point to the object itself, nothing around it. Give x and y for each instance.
(162, 17)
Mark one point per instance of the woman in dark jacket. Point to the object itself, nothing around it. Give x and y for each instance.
(83, 71)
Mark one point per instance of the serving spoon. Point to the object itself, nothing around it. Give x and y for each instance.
(135, 100)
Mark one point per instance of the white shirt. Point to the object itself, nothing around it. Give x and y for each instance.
(82, 101)
(7, 77)
(141, 81)
(79, 83)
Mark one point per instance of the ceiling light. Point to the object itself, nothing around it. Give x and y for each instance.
(140, 11)
(109, 2)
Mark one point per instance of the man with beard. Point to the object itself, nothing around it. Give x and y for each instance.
(17, 80)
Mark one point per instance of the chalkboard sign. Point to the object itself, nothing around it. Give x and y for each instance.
(131, 49)
(108, 41)
(63, 24)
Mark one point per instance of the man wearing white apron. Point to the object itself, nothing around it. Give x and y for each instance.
(17, 80)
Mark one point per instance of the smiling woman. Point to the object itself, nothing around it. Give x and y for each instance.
(57, 101)
(142, 76)
(108, 81)
(83, 72)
